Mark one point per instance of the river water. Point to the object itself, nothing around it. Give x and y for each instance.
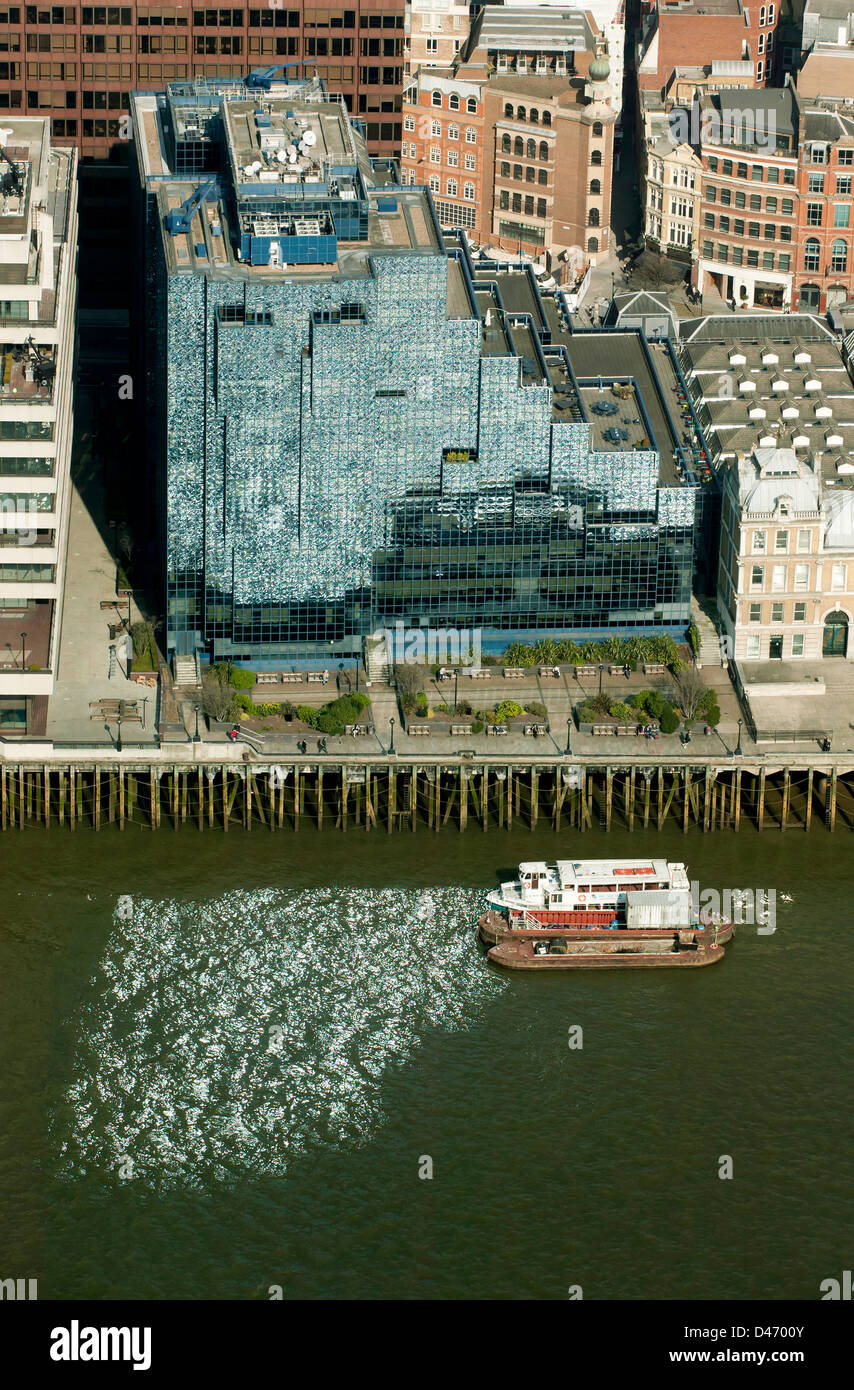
(225, 1059)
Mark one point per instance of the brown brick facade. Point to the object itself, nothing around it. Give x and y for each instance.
(77, 63)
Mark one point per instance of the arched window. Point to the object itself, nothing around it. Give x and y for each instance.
(593, 217)
(534, 117)
(544, 149)
(595, 186)
(454, 102)
(437, 98)
(531, 149)
(471, 106)
(543, 176)
(596, 157)
(519, 145)
(597, 128)
(508, 111)
(453, 132)
(505, 144)
(761, 14)
(547, 118)
(593, 243)
(770, 14)
(839, 255)
(517, 171)
(521, 114)
(812, 253)
(452, 188)
(468, 192)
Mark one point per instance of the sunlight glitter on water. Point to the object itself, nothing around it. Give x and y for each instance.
(222, 1039)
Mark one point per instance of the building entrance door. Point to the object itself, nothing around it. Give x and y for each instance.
(775, 649)
(835, 635)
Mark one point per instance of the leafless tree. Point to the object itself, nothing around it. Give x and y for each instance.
(217, 696)
(690, 693)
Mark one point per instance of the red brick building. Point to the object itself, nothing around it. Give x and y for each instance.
(77, 63)
(683, 33)
(515, 140)
(777, 215)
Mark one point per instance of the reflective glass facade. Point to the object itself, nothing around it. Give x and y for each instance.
(343, 452)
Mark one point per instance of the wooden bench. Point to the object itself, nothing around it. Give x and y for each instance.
(514, 673)
(290, 677)
(461, 728)
(535, 730)
(617, 668)
(654, 668)
(316, 678)
(479, 675)
(602, 729)
(418, 729)
(585, 671)
(553, 671)
(622, 729)
(267, 678)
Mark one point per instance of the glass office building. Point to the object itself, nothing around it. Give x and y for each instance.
(358, 426)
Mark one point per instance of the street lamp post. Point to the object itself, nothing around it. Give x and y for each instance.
(568, 737)
(23, 651)
(196, 736)
(456, 679)
(738, 745)
(119, 735)
(601, 669)
(391, 740)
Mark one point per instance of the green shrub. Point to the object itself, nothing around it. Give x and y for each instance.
(407, 702)
(668, 719)
(421, 703)
(589, 712)
(443, 709)
(712, 714)
(360, 700)
(507, 709)
(267, 707)
(620, 650)
(623, 712)
(477, 726)
(534, 707)
(241, 679)
(307, 714)
(650, 702)
(328, 723)
(244, 702)
(694, 638)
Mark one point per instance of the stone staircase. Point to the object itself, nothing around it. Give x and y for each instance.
(710, 647)
(186, 671)
(376, 660)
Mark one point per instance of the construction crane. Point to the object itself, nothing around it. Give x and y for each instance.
(180, 219)
(261, 79)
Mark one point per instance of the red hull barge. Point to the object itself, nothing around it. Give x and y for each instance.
(646, 954)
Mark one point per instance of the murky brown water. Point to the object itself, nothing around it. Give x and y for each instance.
(158, 1140)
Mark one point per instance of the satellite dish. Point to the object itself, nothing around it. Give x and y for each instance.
(310, 138)
(281, 155)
